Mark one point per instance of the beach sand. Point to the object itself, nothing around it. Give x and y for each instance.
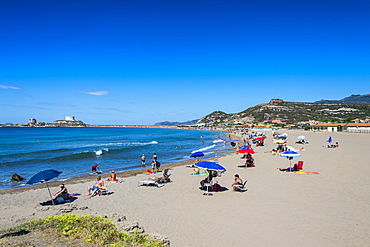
(278, 209)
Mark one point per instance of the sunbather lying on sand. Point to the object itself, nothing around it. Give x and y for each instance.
(165, 177)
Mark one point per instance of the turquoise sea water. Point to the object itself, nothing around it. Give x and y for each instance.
(73, 151)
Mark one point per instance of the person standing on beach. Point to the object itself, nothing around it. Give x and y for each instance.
(155, 157)
(143, 160)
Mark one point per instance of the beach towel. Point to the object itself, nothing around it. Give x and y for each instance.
(300, 172)
(118, 181)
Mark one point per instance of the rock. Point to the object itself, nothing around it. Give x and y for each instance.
(115, 217)
(17, 178)
(161, 238)
(132, 227)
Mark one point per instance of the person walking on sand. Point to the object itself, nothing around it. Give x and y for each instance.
(143, 160)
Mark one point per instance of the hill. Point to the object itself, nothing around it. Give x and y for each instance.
(291, 112)
(353, 99)
(167, 123)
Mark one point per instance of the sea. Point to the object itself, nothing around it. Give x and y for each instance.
(74, 150)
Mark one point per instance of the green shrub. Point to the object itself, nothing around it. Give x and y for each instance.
(90, 228)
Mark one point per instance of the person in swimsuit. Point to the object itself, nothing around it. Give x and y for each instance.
(238, 182)
(143, 160)
(113, 177)
(62, 193)
(98, 184)
(155, 157)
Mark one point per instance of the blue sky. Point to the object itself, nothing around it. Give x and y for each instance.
(146, 61)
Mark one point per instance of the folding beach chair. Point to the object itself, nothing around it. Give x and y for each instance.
(104, 190)
(241, 187)
(299, 166)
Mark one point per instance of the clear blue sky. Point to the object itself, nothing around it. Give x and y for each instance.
(142, 62)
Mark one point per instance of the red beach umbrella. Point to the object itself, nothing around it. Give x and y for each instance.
(245, 150)
(260, 139)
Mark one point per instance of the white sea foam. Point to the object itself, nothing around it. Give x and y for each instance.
(153, 142)
(100, 152)
(204, 149)
(218, 140)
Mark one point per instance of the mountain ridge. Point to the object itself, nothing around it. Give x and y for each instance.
(346, 109)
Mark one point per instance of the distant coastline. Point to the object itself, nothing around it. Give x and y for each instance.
(108, 126)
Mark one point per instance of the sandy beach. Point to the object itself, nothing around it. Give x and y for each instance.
(278, 209)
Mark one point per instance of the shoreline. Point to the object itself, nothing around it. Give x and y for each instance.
(89, 178)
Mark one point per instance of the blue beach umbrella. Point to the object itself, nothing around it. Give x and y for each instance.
(330, 139)
(245, 147)
(196, 155)
(211, 166)
(290, 155)
(44, 176)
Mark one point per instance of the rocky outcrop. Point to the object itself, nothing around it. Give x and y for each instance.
(17, 178)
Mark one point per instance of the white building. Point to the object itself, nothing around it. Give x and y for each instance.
(70, 118)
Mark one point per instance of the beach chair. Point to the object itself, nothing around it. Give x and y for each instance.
(299, 166)
(165, 171)
(150, 183)
(104, 190)
(158, 182)
(166, 179)
(241, 187)
(207, 182)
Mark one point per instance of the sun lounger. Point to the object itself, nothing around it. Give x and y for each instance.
(150, 183)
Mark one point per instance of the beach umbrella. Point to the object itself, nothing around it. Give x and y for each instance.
(330, 139)
(245, 151)
(290, 155)
(211, 166)
(44, 176)
(301, 137)
(260, 139)
(245, 147)
(197, 154)
(291, 148)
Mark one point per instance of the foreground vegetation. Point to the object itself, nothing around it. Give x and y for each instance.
(86, 230)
